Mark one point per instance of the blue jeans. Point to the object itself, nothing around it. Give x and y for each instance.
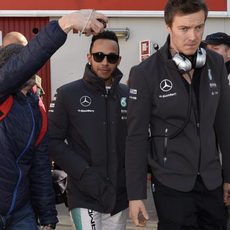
(22, 219)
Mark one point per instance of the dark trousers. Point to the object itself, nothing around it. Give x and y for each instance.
(199, 209)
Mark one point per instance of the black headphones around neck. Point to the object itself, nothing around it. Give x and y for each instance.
(183, 63)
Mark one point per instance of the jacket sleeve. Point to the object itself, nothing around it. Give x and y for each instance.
(32, 57)
(41, 185)
(222, 121)
(138, 117)
(61, 151)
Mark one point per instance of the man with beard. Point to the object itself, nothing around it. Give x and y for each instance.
(87, 127)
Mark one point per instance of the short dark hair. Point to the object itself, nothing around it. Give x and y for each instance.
(8, 51)
(106, 34)
(183, 7)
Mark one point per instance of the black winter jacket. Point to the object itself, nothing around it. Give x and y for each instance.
(159, 101)
(25, 174)
(87, 128)
(227, 64)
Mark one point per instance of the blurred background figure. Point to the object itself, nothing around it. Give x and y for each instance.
(38, 82)
(14, 37)
(18, 38)
(220, 43)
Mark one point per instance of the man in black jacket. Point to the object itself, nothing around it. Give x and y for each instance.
(87, 127)
(26, 190)
(220, 43)
(181, 95)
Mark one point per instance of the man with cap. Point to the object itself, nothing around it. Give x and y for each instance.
(220, 43)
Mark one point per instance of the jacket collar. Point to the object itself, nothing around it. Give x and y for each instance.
(166, 56)
(97, 83)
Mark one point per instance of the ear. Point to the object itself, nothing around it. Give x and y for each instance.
(168, 28)
(89, 57)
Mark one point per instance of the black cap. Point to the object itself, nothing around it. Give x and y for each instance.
(217, 39)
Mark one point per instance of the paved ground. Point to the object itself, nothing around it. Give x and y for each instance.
(65, 222)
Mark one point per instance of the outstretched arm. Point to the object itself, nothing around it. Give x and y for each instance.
(21, 67)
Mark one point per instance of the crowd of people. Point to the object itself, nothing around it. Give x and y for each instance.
(173, 117)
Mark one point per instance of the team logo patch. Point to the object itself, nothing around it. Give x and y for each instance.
(85, 101)
(209, 74)
(123, 101)
(133, 91)
(166, 85)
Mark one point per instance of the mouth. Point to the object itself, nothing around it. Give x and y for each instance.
(104, 70)
(190, 49)
(191, 46)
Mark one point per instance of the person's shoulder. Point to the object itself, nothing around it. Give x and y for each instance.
(146, 63)
(144, 68)
(214, 56)
(215, 61)
(123, 87)
(70, 86)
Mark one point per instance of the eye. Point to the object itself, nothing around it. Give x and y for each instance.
(184, 29)
(199, 28)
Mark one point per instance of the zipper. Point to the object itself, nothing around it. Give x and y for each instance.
(165, 146)
(18, 159)
(198, 134)
(107, 134)
(196, 108)
(197, 120)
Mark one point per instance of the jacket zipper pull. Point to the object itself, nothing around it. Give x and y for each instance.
(198, 128)
(165, 146)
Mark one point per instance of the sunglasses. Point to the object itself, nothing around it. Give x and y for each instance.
(112, 58)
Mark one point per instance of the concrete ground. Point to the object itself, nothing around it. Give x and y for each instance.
(65, 222)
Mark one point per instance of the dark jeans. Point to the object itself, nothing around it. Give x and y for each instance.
(22, 219)
(199, 209)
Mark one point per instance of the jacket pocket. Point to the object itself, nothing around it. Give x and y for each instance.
(158, 148)
(100, 189)
(108, 198)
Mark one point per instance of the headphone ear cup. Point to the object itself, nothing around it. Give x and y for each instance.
(183, 64)
(200, 59)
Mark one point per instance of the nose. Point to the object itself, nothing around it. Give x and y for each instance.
(105, 61)
(193, 34)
